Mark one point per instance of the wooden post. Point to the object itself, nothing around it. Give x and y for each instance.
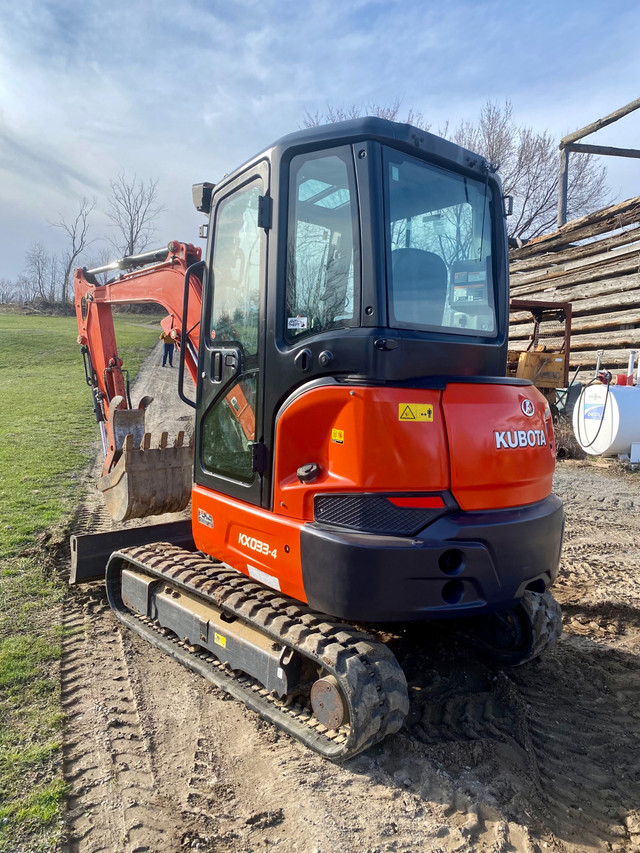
(600, 123)
(602, 149)
(567, 144)
(563, 186)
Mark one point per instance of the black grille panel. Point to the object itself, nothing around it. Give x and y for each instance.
(371, 514)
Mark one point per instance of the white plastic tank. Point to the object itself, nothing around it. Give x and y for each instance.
(606, 420)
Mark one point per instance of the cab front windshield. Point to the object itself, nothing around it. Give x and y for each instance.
(438, 234)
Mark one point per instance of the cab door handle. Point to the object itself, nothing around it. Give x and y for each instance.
(216, 367)
(303, 360)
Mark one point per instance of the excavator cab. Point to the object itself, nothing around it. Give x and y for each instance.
(354, 252)
(352, 404)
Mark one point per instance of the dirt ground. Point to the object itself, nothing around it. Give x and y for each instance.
(545, 757)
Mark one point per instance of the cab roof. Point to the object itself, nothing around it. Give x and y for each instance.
(398, 134)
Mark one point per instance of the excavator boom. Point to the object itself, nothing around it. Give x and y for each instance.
(139, 479)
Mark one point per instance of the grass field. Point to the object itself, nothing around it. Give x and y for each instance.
(47, 434)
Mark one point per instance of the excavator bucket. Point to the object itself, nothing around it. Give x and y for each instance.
(139, 480)
(149, 480)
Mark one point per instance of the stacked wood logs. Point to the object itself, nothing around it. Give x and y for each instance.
(594, 263)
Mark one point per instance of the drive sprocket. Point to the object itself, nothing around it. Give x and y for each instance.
(518, 635)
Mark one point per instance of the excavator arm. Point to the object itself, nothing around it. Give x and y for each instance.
(138, 480)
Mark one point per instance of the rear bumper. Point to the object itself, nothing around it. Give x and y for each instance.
(463, 563)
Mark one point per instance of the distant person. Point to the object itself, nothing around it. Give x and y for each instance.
(169, 345)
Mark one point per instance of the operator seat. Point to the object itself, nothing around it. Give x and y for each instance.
(418, 287)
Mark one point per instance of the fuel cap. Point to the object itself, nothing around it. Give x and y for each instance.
(309, 472)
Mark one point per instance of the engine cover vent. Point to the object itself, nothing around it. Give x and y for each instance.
(384, 514)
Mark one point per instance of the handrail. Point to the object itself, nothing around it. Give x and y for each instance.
(184, 342)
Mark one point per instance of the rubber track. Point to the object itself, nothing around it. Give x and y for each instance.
(369, 676)
(545, 616)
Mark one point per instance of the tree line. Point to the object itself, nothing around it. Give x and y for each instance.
(47, 278)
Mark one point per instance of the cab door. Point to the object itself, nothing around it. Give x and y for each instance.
(229, 415)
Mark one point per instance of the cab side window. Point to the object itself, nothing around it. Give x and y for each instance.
(228, 427)
(236, 271)
(322, 263)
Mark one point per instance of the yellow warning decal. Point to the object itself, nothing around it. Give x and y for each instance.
(337, 436)
(417, 412)
(220, 640)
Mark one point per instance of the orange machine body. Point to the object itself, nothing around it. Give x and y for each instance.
(467, 447)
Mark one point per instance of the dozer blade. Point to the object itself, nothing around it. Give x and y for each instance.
(149, 480)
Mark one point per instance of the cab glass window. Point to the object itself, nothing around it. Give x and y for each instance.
(236, 271)
(228, 431)
(228, 427)
(322, 290)
(439, 241)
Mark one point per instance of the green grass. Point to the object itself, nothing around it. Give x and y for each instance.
(47, 424)
(47, 434)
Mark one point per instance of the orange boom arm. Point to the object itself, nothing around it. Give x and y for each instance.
(170, 277)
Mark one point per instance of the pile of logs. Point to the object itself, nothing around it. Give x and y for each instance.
(594, 263)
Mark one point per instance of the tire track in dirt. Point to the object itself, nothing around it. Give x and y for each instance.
(553, 745)
(106, 754)
(585, 742)
(113, 803)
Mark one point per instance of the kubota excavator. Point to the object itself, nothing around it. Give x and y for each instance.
(359, 456)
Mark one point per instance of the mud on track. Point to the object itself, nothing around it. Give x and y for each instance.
(542, 758)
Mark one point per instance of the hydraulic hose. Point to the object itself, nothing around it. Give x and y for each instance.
(604, 409)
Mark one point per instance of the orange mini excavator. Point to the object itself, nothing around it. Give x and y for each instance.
(358, 454)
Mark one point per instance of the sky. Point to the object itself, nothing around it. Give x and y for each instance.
(186, 91)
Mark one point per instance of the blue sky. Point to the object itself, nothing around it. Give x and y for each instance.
(186, 91)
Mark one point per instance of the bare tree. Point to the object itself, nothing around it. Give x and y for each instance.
(77, 231)
(56, 284)
(133, 210)
(528, 161)
(8, 291)
(37, 270)
(389, 111)
(25, 291)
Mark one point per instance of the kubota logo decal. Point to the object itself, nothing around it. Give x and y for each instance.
(528, 408)
(512, 438)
